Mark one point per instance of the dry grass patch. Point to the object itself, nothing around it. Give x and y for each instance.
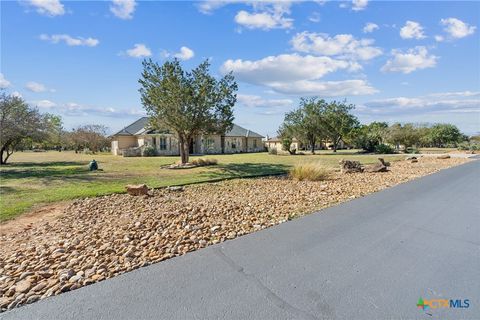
(309, 172)
(201, 162)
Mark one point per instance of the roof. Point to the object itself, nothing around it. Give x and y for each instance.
(137, 127)
(238, 131)
(141, 126)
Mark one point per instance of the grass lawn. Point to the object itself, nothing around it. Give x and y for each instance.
(35, 178)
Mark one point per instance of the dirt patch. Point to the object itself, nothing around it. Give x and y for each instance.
(47, 213)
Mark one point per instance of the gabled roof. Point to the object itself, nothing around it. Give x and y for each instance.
(141, 127)
(137, 127)
(238, 131)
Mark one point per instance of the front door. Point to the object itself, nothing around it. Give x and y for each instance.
(191, 146)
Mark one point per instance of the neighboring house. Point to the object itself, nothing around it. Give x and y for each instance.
(276, 143)
(131, 140)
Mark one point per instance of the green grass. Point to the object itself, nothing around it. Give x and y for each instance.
(36, 178)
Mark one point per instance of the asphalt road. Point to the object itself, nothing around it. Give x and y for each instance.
(370, 258)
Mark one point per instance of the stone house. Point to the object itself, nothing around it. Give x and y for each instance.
(131, 140)
(276, 143)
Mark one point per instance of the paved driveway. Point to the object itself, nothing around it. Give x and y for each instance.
(370, 258)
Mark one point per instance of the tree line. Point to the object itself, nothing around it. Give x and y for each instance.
(23, 127)
(316, 120)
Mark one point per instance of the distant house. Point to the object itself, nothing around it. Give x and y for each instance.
(131, 140)
(276, 143)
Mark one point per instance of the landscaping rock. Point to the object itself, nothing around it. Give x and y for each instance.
(23, 286)
(348, 166)
(444, 156)
(137, 190)
(100, 238)
(378, 167)
(175, 188)
(385, 163)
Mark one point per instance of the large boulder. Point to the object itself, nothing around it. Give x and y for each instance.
(378, 167)
(349, 166)
(137, 190)
(444, 156)
(385, 163)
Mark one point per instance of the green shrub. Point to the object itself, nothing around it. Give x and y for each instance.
(411, 150)
(149, 151)
(308, 172)
(272, 151)
(384, 149)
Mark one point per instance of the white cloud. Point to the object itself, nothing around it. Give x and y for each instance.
(314, 17)
(288, 67)
(76, 109)
(4, 83)
(139, 50)
(254, 101)
(456, 28)
(414, 59)
(70, 41)
(325, 88)
(412, 30)
(208, 6)
(446, 102)
(296, 74)
(35, 86)
(184, 54)
(266, 15)
(17, 94)
(45, 104)
(48, 7)
(439, 38)
(344, 45)
(261, 20)
(370, 27)
(358, 5)
(123, 9)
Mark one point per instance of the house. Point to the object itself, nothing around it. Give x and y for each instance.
(276, 143)
(131, 140)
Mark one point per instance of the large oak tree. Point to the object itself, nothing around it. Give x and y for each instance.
(187, 103)
(20, 122)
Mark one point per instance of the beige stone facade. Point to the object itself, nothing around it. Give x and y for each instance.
(133, 139)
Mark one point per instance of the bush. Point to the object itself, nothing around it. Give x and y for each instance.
(472, 146)
(204, 162)
(308, 172)
(272, 151)
(411, 150)
(149, 151)
(383, 149)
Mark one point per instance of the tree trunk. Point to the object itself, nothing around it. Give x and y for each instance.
(1, 156)
(184, 149)
(312, 142)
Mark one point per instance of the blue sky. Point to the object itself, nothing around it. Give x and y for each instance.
(396, 61)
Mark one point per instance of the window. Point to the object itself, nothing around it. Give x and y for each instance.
(254, 143)
(234, 144)
(210, 144)
(163, 143)
(154, 141)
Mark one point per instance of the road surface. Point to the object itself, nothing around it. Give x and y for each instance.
(370, 258)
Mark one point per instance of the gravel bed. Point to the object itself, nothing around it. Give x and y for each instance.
(99, 238)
